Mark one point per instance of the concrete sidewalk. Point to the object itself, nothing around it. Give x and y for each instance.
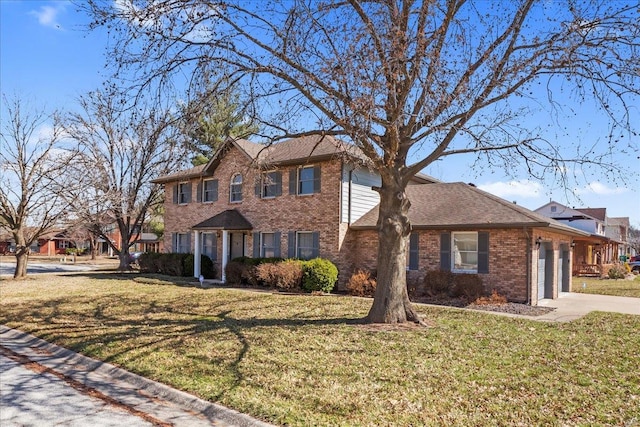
(140, 396)
(571, 306)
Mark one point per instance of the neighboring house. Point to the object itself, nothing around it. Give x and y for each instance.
(313, 196)
(617, 229)
(594, 253)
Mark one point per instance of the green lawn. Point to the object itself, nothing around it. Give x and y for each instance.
(305, 360)
(619, 287)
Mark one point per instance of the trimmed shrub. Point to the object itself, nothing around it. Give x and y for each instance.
(468, 286)
(617, 272)
(150, 262)
(319, 275)
(207, 269)
(235, 271)
(285, 275)
(437, 282)
(361, 284)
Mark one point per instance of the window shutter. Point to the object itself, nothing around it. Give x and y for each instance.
(189, 189)
(445, 251)
(413, 251)
(175, 193)
(256, 245)
(174, 242)
(278, 183)
(199, 192)
(276, 244)
(293, 181)
(483, 252)
(291, 253)
(215, 190)
(214, 249)
(316, 179)
(316, 244)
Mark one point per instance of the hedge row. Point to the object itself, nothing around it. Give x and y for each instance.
(439, 282)
(314, 275)
(175, 264)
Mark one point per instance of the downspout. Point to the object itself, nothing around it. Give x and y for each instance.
(349, 207)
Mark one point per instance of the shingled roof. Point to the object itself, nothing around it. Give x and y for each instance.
(295, 151)
(230, 219)
(459, 205)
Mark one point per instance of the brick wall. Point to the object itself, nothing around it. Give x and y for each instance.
(508, 258)
(315, 212)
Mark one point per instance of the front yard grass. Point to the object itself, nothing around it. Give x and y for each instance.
(615, 287)
(306, 360)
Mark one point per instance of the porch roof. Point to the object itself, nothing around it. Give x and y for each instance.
(230, 219)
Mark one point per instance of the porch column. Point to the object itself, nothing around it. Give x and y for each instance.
(225, 254)
(196, 253)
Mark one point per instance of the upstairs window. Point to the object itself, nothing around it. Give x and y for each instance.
(210, 190)
(235, 191)
(271, 185)
(304, 180)
(183, 193)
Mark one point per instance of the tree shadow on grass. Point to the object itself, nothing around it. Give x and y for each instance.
(117, 328)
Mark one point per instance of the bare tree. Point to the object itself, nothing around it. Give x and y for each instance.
(408, 82)
(32, 158)
(634, 239)
(120, 151)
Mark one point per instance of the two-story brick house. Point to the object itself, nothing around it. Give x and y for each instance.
(313, 196)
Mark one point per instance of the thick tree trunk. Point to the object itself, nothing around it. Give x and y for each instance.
(125, 263)
(391, 301)
(22, 259)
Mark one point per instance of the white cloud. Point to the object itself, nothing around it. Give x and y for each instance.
(600, 189)
(48, 15)
(523, 188)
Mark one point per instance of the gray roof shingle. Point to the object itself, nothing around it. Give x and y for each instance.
(455, 205)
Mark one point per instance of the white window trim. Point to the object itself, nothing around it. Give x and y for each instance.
(232, 184)
(263, 185)
(298, 233)
(453, 255)
(262, 246)
(299, 182)
(204, 190)
(180, 193)
(202, 246)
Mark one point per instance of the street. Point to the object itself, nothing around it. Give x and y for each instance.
(7, 267)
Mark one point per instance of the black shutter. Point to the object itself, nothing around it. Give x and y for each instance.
(214, 189)
(316, 244)
(483, 252)
(175, 193)
(291, 253)
(189, 243)
(174, 242)
(189, 189)
(413, 251)
(316, 179)
(445, 251)
(293, 181)
(276, 244)
(199, 192)
(278, 183)
(256, 245)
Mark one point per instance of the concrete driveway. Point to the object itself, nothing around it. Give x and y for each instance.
(570, 306)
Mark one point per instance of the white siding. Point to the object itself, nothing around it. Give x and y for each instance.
(361, 198)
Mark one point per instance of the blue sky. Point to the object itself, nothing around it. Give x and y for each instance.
(47, 57)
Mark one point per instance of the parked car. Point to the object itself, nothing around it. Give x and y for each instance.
(634, 258)
(134, 256)
(635, 266)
